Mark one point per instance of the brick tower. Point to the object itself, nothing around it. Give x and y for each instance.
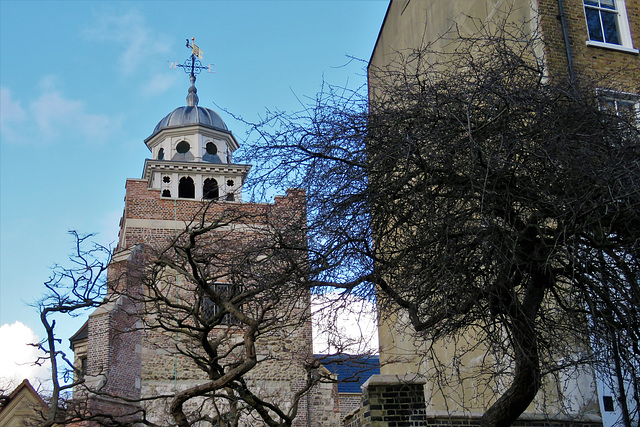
(190, 181)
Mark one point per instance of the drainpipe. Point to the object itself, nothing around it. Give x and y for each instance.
(563, 23)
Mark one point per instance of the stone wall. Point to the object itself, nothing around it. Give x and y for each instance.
(349, 403)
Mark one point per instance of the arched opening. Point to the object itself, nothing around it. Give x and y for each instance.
(161, 154)
(186, 188)
(210, 189)
(166, 193)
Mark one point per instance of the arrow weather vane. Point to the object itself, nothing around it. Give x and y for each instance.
(192, 65)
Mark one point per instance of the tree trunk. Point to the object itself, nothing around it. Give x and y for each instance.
(527, 379)
(525, 385)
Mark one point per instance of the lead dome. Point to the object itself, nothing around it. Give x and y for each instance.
(191, 115)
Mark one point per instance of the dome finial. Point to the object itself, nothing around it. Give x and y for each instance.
(192, 97)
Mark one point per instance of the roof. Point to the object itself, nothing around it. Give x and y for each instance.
(191, 115)
(25, 386)
(82, 334)
(352, 369)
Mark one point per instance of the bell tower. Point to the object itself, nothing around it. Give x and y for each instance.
(192, 151)
(191, 182)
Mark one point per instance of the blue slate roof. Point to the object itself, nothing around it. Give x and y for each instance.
(352, 369)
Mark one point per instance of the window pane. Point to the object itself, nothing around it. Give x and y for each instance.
(591, 2)
(593, 23)
(608, 105)
(610, 24)
(608, 4)
(608, 403)
(627, 109)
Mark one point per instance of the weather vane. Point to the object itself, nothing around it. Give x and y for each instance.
(193, 65)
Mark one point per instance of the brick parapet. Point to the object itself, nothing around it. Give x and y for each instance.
(146, 205)
(391, 401)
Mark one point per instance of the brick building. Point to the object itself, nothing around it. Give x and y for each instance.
(586, 37)
(134, 347)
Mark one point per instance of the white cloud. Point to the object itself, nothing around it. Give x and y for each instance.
(17, 356)
(50, 116)
(11, 113)
(130, 31)
(344, 324)
(10, 109)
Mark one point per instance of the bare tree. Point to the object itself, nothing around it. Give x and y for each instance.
(223, 307)
(70, 291)
(480, 197)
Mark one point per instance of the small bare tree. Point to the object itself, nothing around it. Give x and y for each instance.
(70, 291)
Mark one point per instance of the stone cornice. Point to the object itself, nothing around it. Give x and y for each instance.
(194, 167)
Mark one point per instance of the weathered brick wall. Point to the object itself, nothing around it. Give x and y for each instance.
(113, 356)
(358, 418)
(277, 376)
(349, 403)
(144, 362)
(474, 422)
(99, 345)
(324, 405)
(396, 405)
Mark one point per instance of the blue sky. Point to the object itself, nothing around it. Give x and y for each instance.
(84, 83)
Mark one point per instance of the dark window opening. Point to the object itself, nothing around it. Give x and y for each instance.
(210, 310)
(608, 403)
(210, 189)
(211, 154)
(83, 368)
(166, 179)
(231, 197)
(161, 154)
(230, 183)
(186, 188)
(166, 193)
(183, 147)
(625, 105)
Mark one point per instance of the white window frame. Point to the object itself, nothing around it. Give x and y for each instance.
(624, 32)
(618, 96)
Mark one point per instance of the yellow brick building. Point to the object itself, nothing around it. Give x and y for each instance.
(593, 38)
